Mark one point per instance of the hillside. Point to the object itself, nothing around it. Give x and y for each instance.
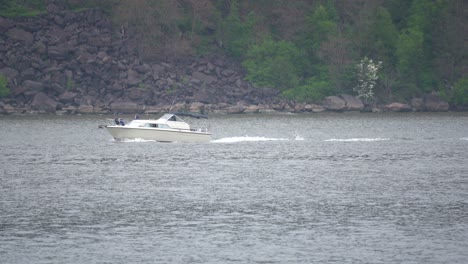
(207, 55)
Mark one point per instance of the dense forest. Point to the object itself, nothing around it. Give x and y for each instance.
(380, 51)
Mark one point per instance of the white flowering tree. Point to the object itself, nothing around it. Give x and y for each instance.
(366, 75)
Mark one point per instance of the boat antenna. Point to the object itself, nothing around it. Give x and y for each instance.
(173, 101)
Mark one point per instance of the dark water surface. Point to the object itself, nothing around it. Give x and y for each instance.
(326, 188)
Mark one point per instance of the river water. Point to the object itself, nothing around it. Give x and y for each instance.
(306, 188)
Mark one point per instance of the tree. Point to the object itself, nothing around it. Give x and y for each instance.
(234, 34)
(275, 64)
(410, 53)
(384, 36)
(367, 75)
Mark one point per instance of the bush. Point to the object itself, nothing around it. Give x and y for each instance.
(460, 94)
(313, 90)
(275, 64)
(4, 91)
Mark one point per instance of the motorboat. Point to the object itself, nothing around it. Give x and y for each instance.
(168, 128)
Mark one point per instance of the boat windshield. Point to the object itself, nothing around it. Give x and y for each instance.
(171, 117)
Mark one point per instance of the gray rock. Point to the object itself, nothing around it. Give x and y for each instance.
(334, 103)
(236, 109)
(100, 41)
(33, 85)
(57, 88)
(6, 23)
(60, 52)
(352, 103)
(435, 103)
(85, 109)
(139, 94)
(314, 108)
(397, 107)
(417, 104)
(20, 35)
(142, 68)
(8, 72)
(28, 74)
(42, 102)
(205, 96)
(67, 97)
(9, 109)
(203, 77)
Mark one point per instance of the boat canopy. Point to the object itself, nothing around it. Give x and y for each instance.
(197, 116)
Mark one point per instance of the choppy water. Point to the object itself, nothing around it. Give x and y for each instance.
(326, 188)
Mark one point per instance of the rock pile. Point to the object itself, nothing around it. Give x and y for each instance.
(74, 62)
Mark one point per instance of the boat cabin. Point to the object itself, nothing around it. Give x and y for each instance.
(167, 121)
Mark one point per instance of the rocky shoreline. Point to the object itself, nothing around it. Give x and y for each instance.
(343, 103)
(76, 63)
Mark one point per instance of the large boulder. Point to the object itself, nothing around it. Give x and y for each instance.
(314, 108)
(417, 104)
(44, 103)
(20, 35)
(207, 79)
(5, 23)
(352, 103)
(60, 52)
(236, 109)
(85, 109)
(8, 72)
(33, 86)
(435, 103)
(8, 109)
(397, 107)
(197, 107)
(67, 97)
(334, 103)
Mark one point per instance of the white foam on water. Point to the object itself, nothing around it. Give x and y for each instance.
(246, 139)
(464, 138)
(298, 138)
(356, 139)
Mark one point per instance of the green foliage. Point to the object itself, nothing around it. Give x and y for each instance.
(4, 91)
(460, 95)
(275, 64)
(320, 24)
(323, 24)
(314, 90)
(24, 8)
(235, 34)
(410, 52)
(105, 5)
(384, 36)
(70, 84)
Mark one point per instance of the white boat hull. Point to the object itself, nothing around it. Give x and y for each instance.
(156, 134)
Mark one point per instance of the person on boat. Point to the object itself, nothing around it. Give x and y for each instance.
(137, 116)
(116, 120)
(122, 123)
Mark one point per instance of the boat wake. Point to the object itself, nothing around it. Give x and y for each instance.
(249, 139)
(356, 139)
(463, 138)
